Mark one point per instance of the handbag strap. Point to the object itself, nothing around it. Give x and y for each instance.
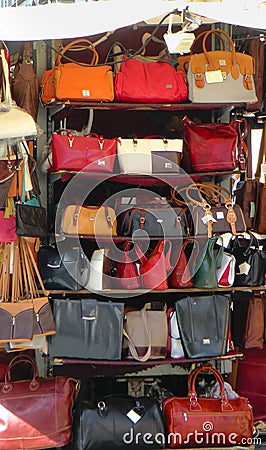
(147, 329)
(76, 46)
(6, 89)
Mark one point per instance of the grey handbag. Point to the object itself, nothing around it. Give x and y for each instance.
(203, 323)
(87, 329)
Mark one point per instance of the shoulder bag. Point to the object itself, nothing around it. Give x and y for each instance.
(75, 81)
(38, 412)
(260, 214)
(221, 76)
(255, 326)
(217, 421)
(156, 266)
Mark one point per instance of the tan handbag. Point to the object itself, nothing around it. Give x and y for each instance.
(221, 76)
(145, 334)
(89, 221)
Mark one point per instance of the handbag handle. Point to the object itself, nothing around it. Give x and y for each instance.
(75, 45)
(192, 394)
(131, 344)
(212, 66)
(33, 384)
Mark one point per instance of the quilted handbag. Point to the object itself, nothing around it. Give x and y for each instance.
(221, 76)
(38, 412)
(91, 153)
(144, 79)
(83, 82)
(149, 155)
(207, 422)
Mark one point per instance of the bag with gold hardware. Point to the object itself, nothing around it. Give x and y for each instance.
(89, 221)
(221, 76)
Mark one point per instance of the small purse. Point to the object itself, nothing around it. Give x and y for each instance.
(89, 221)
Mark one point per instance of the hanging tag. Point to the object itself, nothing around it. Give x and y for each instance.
(208, 218)
(179, 42)
(244, 268)
(133, 416)
(214, 76)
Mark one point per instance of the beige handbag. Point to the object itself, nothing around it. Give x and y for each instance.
(145, 334)
(89, 221)
(221, 76)
(136, 155)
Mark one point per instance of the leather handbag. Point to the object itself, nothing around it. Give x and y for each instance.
(213, 146)
(145, 334)
(85, 82)
(7, 228)
(144, 79)
(100, 272)
(65, 268)
(10, 169)
(219, 421)
(207, 263)
(87, 329)
(47, 87)
(31, 220)
(260, 214)
(37, 412)
(175, 348)
(125, 270)
(156, 266)
(118, 421)
(24, 82)
(250, 260)
(203, 323)
(181, 275)
(89, 221)
(91, 153)
(255, 326)
(163, 221)
(149, 155)
(227, 270)
(220, 76)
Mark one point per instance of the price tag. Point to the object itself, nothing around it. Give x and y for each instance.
(244, 268)
(208, 218)
(133, 416)
(214, 76)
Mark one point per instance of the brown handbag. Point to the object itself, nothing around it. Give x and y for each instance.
(87, 82)
(260, 215)
(89, 221)
(38, 412)
(209, 422)
(255, 326)
(145, 334)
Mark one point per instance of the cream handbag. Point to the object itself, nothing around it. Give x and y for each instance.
(136, 155)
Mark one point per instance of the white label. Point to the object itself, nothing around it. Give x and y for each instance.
(101, 162)
(133, 416)
(244, 268)
(86, 93)
(219, 215)
(168, 165)
(214, 76)
(222, 62)
(206, 341)
(208, 218)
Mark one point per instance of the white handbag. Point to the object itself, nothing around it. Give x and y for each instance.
(135, 155)
(176, 348)
(14, 121)
(98, 273)
(226, 273)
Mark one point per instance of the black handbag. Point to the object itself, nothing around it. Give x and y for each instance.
(118, 422)
(159, 222)
(203, 323)
(250, 260)
(88, 329)
(65, 270)
(31, 220)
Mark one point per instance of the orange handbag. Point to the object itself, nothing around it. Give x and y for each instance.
(47, 87)
(87, 82)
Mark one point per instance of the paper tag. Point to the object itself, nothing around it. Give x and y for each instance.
(244, 268)
(214, 76)
(133, 416)
(208, 218)
(219, 215)
(179, 42)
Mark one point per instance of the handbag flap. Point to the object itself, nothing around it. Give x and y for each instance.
(89, 309)
(30, 215)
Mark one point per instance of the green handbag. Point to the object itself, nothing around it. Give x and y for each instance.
(208, 261)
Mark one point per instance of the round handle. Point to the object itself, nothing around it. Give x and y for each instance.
(33, 385)
(75, 45)
(201, 36)
(192, 379)
(234, 69)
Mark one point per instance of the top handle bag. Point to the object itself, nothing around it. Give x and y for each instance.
(221, 76)
(87, 82)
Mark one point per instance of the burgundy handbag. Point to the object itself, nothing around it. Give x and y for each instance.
(125, 271)
(91, 153)
(180, 276)
(207, 422)
(37, 413)
(213, 146)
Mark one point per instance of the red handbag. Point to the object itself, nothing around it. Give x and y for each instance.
(143, 79)
(207, 422)
(154, 269)
(37, 413)
(91, 153)
(213, 146)
(180, 276)
(125, 271)
(7, 228)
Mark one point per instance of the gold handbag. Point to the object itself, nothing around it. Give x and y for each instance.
(89, 221)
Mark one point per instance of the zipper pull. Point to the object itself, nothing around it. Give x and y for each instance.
(13, 321)
(37, 317)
